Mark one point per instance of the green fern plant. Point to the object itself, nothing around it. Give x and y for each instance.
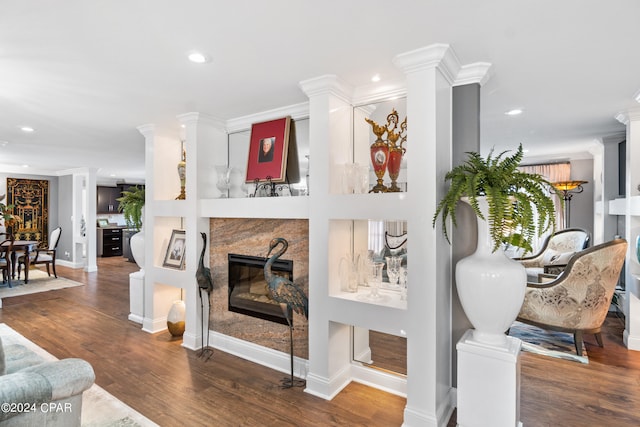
(519, 205)
(131, 204)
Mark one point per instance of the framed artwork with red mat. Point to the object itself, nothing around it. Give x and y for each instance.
(268, 150)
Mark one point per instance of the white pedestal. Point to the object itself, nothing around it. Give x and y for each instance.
(488, 383)
(136, 296)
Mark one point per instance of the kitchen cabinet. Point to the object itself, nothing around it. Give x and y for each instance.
(107, 199)
(109, 242)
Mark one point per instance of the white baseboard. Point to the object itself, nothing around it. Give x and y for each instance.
(154, 326)
(394, 384)
(69, 264)
(136, 318)
(264, 356)
(191, 341)
(328, 388)
(632, 342)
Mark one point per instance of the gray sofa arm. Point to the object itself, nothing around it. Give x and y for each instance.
(43, 383)
(67, 377)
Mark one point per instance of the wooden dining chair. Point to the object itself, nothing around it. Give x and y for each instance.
(45, 255)
(5, 257)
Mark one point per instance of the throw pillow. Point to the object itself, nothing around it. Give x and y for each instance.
(560, 258)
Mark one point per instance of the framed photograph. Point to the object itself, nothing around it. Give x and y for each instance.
(103, 222)
(174, 258)
(268, 150)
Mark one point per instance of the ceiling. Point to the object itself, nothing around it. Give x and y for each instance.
(85, 74)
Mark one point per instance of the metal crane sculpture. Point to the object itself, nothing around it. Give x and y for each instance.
(205, 282)
(290, 297)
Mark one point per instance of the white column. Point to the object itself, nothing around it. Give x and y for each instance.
(329, 134)
(92, 238)
(138, 283)
(632, 229)
(206, 146)
(157, 295)
(431, 72)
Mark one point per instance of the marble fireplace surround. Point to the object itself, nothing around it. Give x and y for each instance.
(251, 236)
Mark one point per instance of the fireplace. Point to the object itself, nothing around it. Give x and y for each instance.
(248, 293)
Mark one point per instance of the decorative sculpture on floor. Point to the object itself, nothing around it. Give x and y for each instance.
(205, 282)
(290, 297)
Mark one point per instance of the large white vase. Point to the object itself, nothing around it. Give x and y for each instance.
(491, 287)
(136, 244)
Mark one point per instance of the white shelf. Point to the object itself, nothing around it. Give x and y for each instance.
(378, 206)
(388, 297)
(256, 207)
(619, 206)
(635, 205)
(170, 277)
(381, 318)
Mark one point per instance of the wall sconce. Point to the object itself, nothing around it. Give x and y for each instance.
(567, 189)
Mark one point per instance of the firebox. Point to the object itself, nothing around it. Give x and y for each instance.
(248, 291)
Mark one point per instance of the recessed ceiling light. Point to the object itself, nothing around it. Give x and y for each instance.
(514, 112)
(27, 129)
(4, 143)
(198, 57)
(375, 78)
(113, 175)
(25, 166)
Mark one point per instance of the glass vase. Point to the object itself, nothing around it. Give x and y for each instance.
(224, 180)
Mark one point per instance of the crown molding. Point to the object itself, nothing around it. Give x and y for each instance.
(443, 57)
(437, 55)
(376, 92)
(631, 115)
(478, 72)
(296, 112)
(77, 171)
(327, 84)
(146, 130)
(195, 118)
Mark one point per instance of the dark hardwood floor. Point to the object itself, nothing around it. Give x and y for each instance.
(170, 385)
(164, 381)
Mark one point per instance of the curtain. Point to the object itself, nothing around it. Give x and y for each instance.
(552, 172)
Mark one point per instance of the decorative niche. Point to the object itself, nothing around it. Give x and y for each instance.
(363, 138)
(239, 151)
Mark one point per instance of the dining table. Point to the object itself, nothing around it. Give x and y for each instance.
(20, 246)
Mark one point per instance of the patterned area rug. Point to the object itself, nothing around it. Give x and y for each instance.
(548, 343)
(39, 281)
(99, 408)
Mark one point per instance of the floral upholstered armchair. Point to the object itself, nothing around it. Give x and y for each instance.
(555, 253)
(578, 300)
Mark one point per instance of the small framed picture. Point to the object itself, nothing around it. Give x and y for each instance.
(268, 150)
(174, 258)
(103, 222)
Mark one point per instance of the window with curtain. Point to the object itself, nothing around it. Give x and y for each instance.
(552, 172)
